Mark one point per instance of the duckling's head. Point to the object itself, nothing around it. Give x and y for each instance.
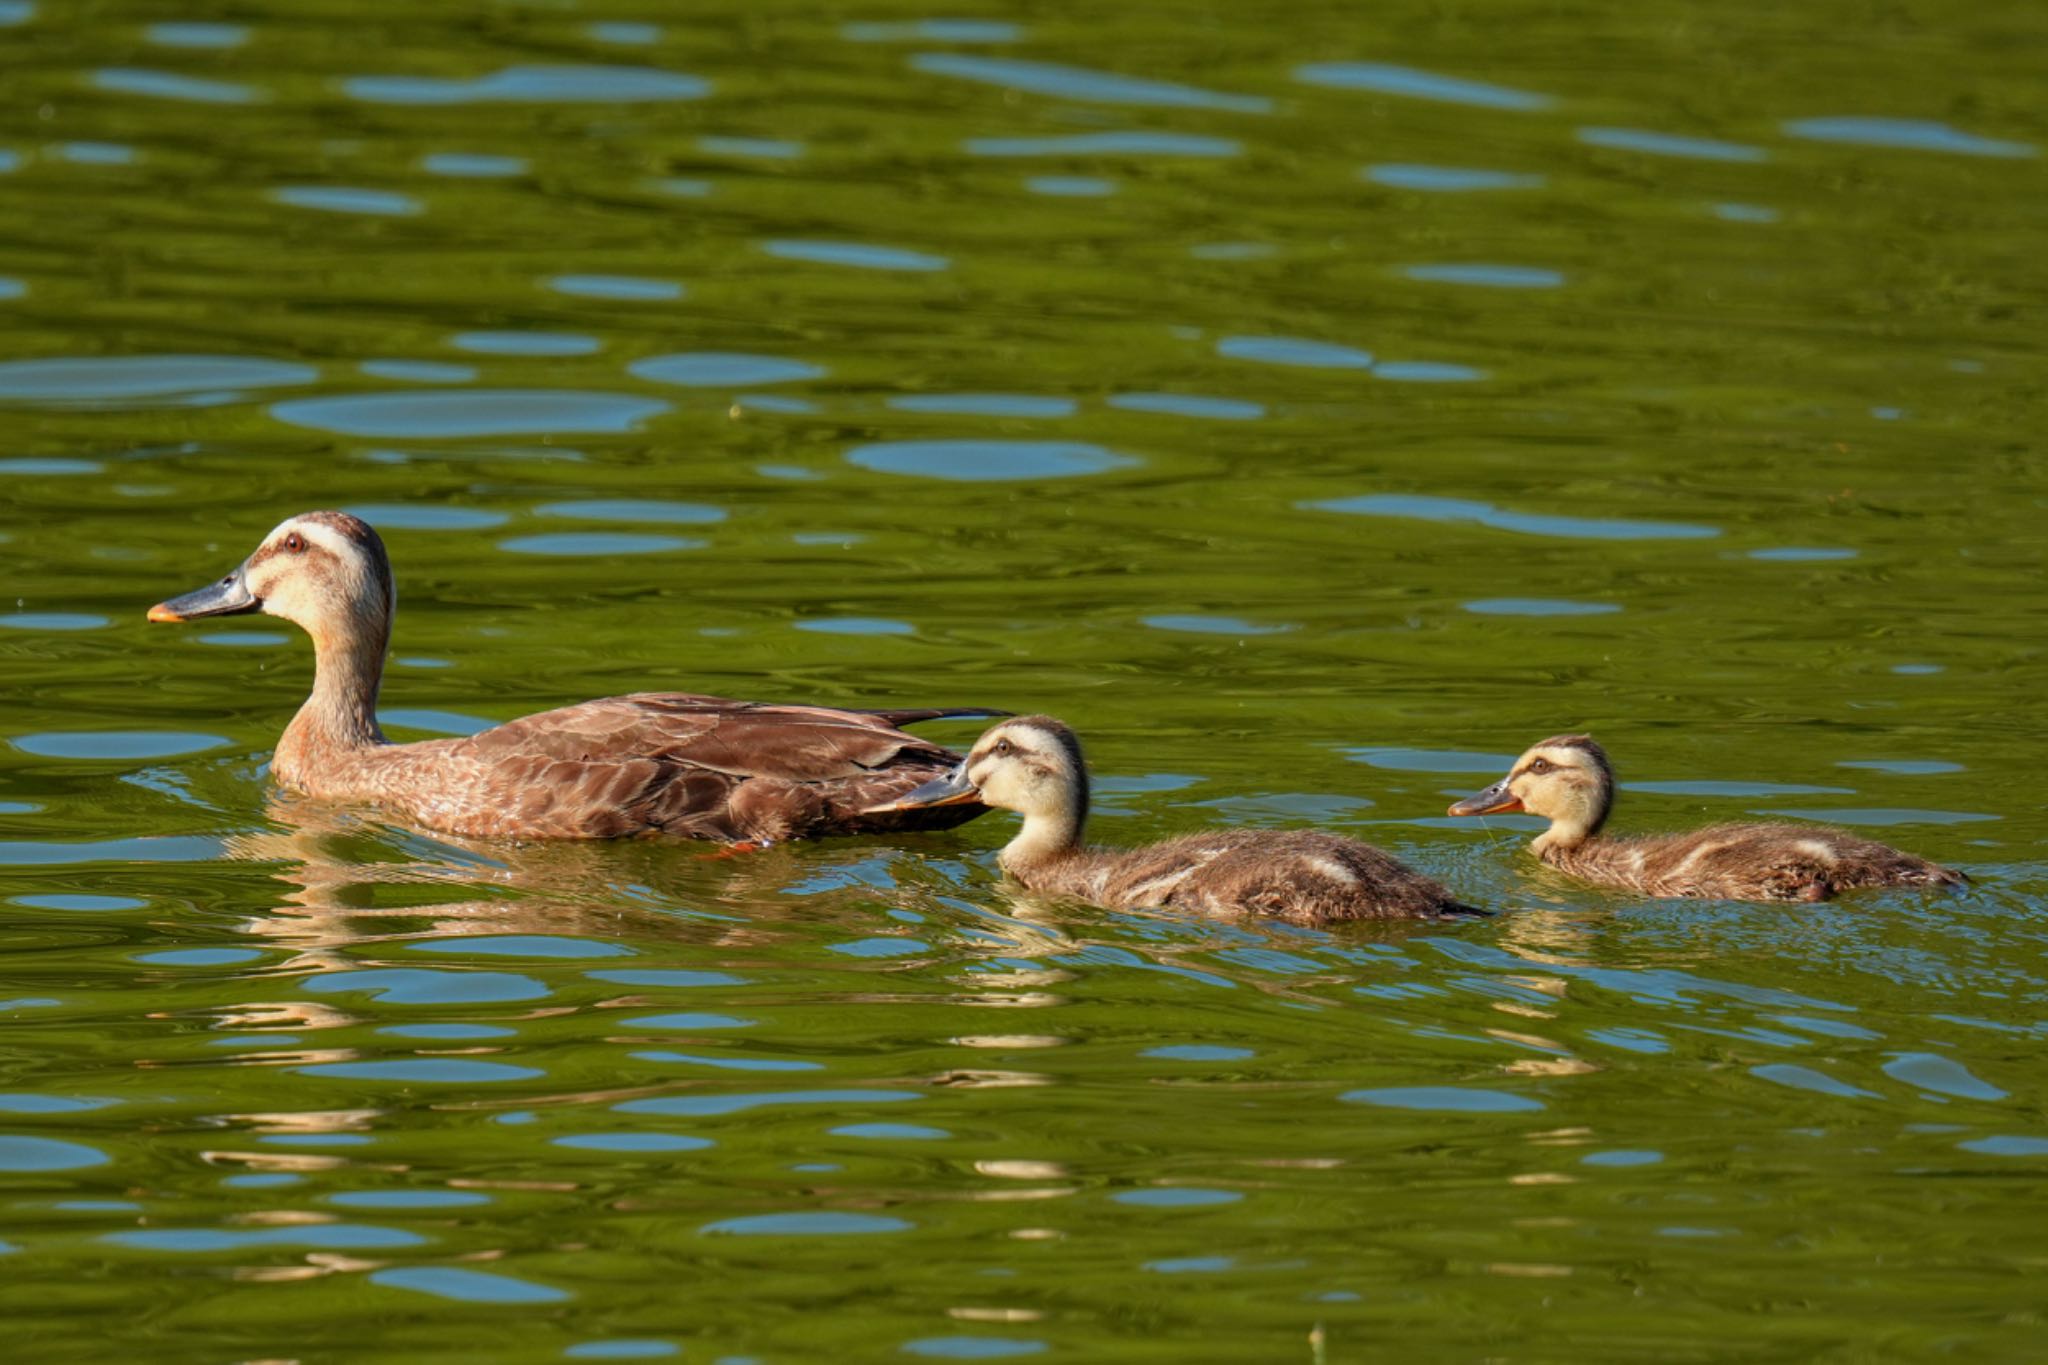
(1566, 779)
(1028, 764)
(325, 571)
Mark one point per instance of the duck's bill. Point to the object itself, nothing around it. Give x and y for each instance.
(225, 598)
(951, 789)
(1493, 801)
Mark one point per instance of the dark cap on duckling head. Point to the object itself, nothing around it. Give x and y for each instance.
(1559, 752)
(1024, 746)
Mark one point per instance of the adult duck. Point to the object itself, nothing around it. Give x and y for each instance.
(654, 763)
(1568, 781)
(1033, 765)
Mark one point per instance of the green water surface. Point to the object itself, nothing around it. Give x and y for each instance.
(1312, 403)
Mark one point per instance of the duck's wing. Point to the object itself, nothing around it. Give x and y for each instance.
(710, 767)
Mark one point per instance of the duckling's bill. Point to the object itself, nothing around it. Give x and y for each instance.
(1495, 800)
(951, 789)
(226, 598)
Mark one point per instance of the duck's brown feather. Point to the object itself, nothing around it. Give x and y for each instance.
(1748, 862)
(653, 763)
(1303, 876)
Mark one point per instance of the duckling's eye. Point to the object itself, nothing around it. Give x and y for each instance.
(295, 544)
(1004, 748)
(1540, 765)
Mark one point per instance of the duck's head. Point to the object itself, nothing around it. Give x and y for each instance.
(1029, 764)
(1566, 779)
(326, 571)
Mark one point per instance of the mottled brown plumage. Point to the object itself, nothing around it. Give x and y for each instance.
(1033, 765)
(1568, 780)
(655, 763)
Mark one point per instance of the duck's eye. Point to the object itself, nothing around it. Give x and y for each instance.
(295, 544)
(1540, 765)
(1004, 748)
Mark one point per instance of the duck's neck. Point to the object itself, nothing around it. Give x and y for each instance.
(1047, 837)
(1571, 830)
(1563, 838)
(340, 717)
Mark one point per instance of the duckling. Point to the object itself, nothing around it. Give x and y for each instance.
(1568, 780)
(1033, 765)
(654, 763)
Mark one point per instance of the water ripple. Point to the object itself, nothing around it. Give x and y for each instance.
(1491, 276)
(934, 30)
(1459, 511)
(1131, 143)
(72, 379)
(424, 1071)
(1422, 85)
(1444, 1099)
(987, 460)
(1668, 144)
(722, 369)
(1189, 405)
(825, 1224)
(471, 412)
(625, 288)
(117, 744)
(534, 85)
(466, 1286)
(169, 85)
(1295, 351)
(711, 1106)
(1919, 135)
(349, 199)
(1080, 83)
(527, 343)
(24, 1154)
(318, 1236)
(196, 35)
(985, 404)
(428, 985)
(859, 255)
(472, 166)
(1446, 179)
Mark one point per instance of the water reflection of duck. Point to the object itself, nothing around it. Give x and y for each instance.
(653, 763)
(1569, 781)
(1033, 765)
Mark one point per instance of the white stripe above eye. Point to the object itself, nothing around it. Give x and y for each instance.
(326, 537)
